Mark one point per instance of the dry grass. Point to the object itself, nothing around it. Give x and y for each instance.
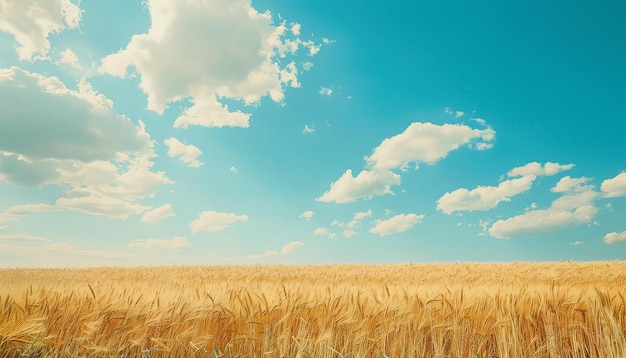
(429, 310)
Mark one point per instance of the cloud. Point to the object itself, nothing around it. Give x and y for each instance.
(212, 221)
(573, 208)
(397, 224)
(234, 170)
(614, 187)
(538, 169)
(425, 142)
(31, 21)
(23, 237)
(367, 184)
(307, 66)
(458, 114)
(208, 51)
(13, 213)
(291, 247)
(158, 214)
(322, 231)
(42, 119)
(187, 153)
(325, 91)
(348, 229)
(308, 130)
(483, 197)
(176, 242)
(328, 41)
(615, 238)
(360, 216)
(307, 215)
(264, 255)
(68, 57)
(576, 243)
(105, 206)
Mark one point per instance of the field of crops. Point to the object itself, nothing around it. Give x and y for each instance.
(411, 310)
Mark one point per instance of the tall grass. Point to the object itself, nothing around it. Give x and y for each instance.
(426, 310)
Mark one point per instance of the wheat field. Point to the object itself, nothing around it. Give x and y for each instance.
(409, 310)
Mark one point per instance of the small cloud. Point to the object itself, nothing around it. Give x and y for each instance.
(447, 110)
(176, 242)
(328, 41)
(307, 215)
(264, 255)
(234, 170)
(213, 221)
(187, 154)
(614, 187)
(349, 233)
(295, 29)
(615, 238)
(576, 243)
(397, 224)
(459, 224)
(308, 130)
(480, 121)
(322, 231)
(459, 114)
(68, 57)
(307, 66)
(291, 247)
(158, 214)
(325, 91)
(609, 206)
(537, 169)
(23, 237)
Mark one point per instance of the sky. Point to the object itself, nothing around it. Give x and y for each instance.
(229, 132)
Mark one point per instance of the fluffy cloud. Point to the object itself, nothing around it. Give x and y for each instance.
(397, 224)
(158, 214)
(348, 229)
(42, 119)
(105, 206)
(68, 57)
(615, 238)
(291, 247)
(307, 215)
(483, 197)
(187, 153)
(425, 142)
(212, 221)
(614, 187)
(367, 184)
(31, 21)
(322, 231)
(176, 242)
(206, 51)
(573, 208)
(308, 130)
(538, 169)
(325, 91)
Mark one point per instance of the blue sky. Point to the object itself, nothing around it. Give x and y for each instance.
(234, 132)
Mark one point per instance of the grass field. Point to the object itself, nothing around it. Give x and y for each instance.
(411, 310)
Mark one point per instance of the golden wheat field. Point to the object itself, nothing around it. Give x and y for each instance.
(410, 310)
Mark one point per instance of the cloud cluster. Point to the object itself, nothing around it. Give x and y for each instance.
(419, 143)
(208, 51)
(287, 249)
(187, 153)
(31, 21)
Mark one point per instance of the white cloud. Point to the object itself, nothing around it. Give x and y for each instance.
(13, 213)
(574, 207)
(234, 170)
(207, 51)
(615, 238)
(264, 255)
(425, 142)
(322, 231)
(362, 215)
(614, 187)
(291, 247)
(212, 221)
(447, 110)
(307, 66)
(45, 120)
(307, 215)
(187, 153)
(31, 21)
(158, 214)
(459, 114)
(295, 29)
(542, 221)
(176, 242)
(308, 130)
(367, 184)
(325, 91)
(23, 237)
(576, 243)
(538, 169)
(328, 41)
(483, 197)
(397, 224)
(349, 233)
(68, 57)
(355, 223)
(105, 206)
